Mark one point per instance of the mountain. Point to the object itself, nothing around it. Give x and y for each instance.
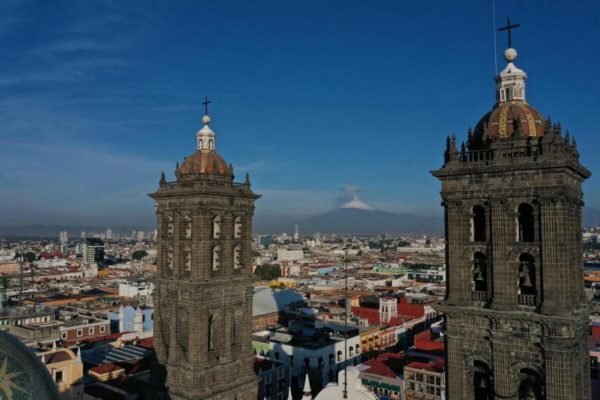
(358, 218)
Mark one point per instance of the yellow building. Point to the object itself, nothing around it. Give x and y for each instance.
(66, 370)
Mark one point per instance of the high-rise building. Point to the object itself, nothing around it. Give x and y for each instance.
(93, 251)
(296, 233)
(109, 234)
(63, 237)
(203, 292)
(516, 312)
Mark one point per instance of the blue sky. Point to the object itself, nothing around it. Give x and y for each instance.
(309, 97)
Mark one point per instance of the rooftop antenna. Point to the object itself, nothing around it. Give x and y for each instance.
(345, 324)
(494, 33)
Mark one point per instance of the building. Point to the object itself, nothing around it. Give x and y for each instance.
(424, 380)
(289, 254)
(204, 284)
(274, 378)
(93, 251)
(137, 288)
(268, 306)
(515, 308)
(66, 368)
(63, 237)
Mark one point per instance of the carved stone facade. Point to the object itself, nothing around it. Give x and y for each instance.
(203, 285)
(516, 313)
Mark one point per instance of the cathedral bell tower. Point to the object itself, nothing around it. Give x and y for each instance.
(515, 310)
(203, 284)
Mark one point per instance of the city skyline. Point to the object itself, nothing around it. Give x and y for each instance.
(308, 98)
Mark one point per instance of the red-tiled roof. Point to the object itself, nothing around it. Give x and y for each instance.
(105, 368)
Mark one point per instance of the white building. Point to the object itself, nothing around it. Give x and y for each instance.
(289, 254)
(136, 289)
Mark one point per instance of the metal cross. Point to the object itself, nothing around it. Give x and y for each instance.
(509, 27)
(206, 102)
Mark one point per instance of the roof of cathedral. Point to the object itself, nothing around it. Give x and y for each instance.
(22, 373)
(508, 119)
(356, 390)
(204, 162)
(267, 300)
(511, 117)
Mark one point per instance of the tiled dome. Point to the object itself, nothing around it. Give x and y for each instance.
(508, 119)
(204, 162)
(22, 374)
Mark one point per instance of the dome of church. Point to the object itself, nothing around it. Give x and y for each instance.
(508, 119)
(22, 374)
(204, 162)
(511, 117)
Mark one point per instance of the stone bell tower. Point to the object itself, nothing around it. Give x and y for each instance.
(515, 308)
(203, 295)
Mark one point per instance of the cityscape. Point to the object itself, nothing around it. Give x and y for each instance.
(189, 289)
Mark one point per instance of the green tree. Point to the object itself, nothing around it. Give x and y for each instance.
(139, 254)
(268, 272)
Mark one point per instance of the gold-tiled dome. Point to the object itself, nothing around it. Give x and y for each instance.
(204, 162)
(508, 119)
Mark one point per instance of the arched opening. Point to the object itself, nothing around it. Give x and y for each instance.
(187, 227)
(483, 382)
(216, 231)
(237, 227)
(216, 256)
(211, 333)
(479, 225)
(531, 386)
(526, 277)
(237, 258)
(526, 230)
(170, 226)
(480, 272)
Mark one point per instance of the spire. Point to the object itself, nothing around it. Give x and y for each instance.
(205, 136)
(307, 390)
(54, 345)
(290, 393)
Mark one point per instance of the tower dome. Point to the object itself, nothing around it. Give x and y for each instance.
(511, 116)
(22, 374)
(205, 160)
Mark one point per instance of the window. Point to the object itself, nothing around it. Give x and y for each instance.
(525, 223)
(480, 272)
(188, 259)
(216, 258)
(237, 227)
(237, 262)
(79, 332)
(91, 331)
(216, 233)
(187, 227)
(211, 333)
(63, 335)
(58, 376)
(102, 329)
(170, 226)
(526, 276)
(478, 224)
(170, 259)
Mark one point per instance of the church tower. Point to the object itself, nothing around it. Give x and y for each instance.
(203, 284)
(515, 308)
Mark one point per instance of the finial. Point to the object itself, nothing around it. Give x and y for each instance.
(177, 165)
(567, 137)
(510, 54)
(247, 178)
(163, 180)
(54, 344)
(573, 142)
(509, 27)
(206, 102)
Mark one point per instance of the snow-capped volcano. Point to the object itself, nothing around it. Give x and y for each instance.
(357, 204)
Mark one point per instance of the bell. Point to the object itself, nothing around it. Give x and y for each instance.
(527, 281)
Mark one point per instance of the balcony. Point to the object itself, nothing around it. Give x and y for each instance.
(479, 295)
(526, 300)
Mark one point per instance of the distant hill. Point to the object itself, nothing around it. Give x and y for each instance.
(357, 218)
